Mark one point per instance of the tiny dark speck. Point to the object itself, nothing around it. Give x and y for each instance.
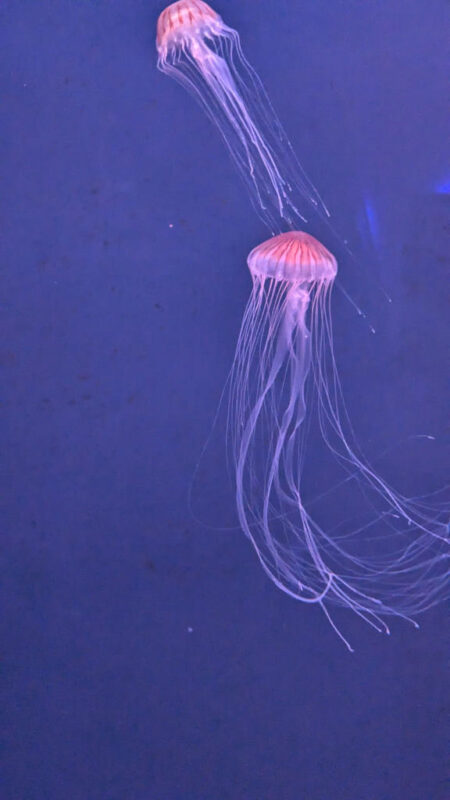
(149, 564)
(159, 307)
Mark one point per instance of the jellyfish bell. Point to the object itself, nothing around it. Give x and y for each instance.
(295, 256)
(183, 24)
(197, 49)
(389, 556)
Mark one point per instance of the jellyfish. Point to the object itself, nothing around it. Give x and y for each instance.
(388, 560)
(386, 555)
(201, 52)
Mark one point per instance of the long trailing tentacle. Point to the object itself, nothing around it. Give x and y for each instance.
(269, 418)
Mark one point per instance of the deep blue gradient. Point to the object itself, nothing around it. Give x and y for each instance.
(145, 656)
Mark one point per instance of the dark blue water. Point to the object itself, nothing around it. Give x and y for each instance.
(146, 657)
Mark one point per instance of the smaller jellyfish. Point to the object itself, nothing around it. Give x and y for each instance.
(202, 53)
(388, 556)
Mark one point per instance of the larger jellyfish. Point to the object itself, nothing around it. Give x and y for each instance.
(388, 558)
(197, 49)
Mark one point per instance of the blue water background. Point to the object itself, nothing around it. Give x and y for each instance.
(146, 657)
